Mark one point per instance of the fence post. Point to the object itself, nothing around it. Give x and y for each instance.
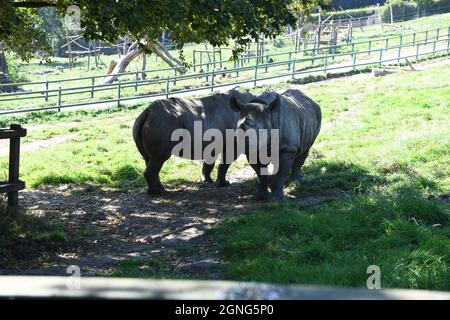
(313, 55)
(370, 47)
(59, 98)
(119, 87)
(213, 75)
(381, 57)
(437, 34)
(417, 52)
(175, 76)
(92, 87)
(167, 87)
(448, 40)
(401, 39)
(387, 43)
(255, 77)
(354, 60)
(136, 78)
(290, 58)
(426, 37)
(414, 39)
(293, 70)
(207, 72)
(237, 64)
(325, 65)
(434, 48)
(14, 157)
(267, 62)
(46, 90)
(399, 54)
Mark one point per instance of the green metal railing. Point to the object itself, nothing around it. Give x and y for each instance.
(435, 42)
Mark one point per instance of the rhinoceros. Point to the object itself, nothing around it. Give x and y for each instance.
(152, 131)
(298, 120)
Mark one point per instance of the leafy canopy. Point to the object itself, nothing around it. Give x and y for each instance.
(215, 21)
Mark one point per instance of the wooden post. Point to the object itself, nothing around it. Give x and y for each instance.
(255, 76)
(119, 87)
(14, 157)
(193, 60)
(167, 88)
(381, 57)
(380, 16)
(46, 90)
(59, 98)
(213, 80)
(136, 79)
(293, 70)
(92, 87)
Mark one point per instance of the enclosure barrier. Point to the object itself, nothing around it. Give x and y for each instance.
(434, 42)
(13, 185)
(13, 287)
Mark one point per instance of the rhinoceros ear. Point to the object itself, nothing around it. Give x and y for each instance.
(275, 104)
(235, 104)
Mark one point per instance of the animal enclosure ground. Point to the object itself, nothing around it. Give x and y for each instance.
(376, 192)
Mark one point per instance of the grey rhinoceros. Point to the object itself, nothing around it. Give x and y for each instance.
(153, 129)
(298, 120)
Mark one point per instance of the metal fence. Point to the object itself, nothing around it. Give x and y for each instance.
(319, 60)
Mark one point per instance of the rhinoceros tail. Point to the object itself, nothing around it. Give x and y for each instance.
(137, 133)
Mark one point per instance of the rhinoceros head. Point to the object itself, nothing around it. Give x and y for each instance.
(256, 120)
(256, 114)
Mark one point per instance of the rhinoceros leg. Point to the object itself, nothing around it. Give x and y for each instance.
(286, 162)
(297, 167)
(263, 183)
(223, 168)
(222, 175)
(152, 176)
(206, 172)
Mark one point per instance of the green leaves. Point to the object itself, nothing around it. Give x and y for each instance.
(215, 21)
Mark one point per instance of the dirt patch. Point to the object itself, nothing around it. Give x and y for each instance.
(106, 226)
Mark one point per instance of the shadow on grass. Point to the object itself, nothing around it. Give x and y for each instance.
(383, 221)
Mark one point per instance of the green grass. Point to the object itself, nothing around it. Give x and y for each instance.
(334, 243)
(383, 161)
(282, 46)
(380, 167)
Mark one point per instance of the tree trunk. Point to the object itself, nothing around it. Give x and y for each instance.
(3, 66)
(134, 51)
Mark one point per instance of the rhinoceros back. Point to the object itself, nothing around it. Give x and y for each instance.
(299, 120)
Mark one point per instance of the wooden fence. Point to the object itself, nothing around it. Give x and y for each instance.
(13, 185)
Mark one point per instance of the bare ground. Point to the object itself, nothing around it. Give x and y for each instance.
(105, 227)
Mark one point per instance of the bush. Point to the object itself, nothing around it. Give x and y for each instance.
(14, 69)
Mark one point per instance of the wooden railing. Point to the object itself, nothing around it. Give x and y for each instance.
(13, 185)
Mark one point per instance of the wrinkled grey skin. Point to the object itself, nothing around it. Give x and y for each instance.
(297, 117)
(153, 130)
